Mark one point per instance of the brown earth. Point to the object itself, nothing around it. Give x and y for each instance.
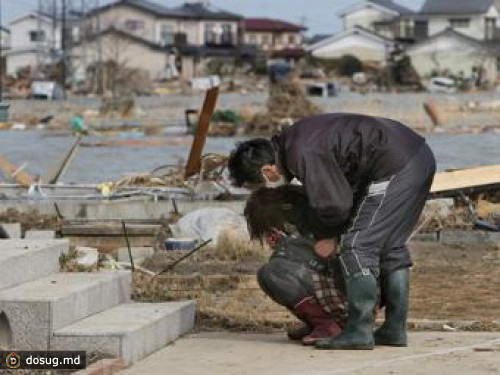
(451, 283)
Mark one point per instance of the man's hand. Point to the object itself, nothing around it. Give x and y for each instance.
(326, 247)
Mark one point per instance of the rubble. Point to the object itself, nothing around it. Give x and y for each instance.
(87, 257)
(287, 103)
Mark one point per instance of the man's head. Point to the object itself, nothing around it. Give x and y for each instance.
(253, 163)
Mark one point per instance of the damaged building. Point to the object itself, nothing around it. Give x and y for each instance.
(457, 37)
(166, 42)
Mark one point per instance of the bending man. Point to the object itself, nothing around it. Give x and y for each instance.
(367, 180)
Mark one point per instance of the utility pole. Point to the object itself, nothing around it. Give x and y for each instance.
(64, 49)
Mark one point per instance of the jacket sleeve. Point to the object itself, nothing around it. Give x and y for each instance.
(329, 193)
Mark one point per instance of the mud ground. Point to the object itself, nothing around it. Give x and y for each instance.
(449, 283)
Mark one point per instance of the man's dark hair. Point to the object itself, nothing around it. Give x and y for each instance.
(276, 208)
(248, 158)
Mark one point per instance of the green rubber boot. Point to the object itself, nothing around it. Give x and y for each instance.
(358, 333)
(396, 287)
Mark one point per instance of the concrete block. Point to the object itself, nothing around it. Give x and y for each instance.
(12, 229)
(27, 260)
(103, 367)
(462, 237)
(129, 331)
(138, 253)
(40, 234)
(35, 309)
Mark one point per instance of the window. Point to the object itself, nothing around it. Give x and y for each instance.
(265, 39)
(490, 25)
(291, 39)
(421, 30)
(37, 36)
(167, 35)
(460, 23)
(210, 33)
(407, 29)
(227, 34)
(252, 39)
(134, 25)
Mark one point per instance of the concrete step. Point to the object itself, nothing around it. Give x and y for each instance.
(131, 331)
(34, 310)
(27, 260)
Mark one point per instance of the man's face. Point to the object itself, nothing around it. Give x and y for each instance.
(272, 176)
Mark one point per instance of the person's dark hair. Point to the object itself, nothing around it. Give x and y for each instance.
(276, 208)
(248, 158)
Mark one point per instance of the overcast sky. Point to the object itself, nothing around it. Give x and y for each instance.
(319, 15)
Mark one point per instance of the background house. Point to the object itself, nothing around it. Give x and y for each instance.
(477, 18)
(371, 29)
(277, 38)
(34, 40)
(462, 37)
(187, 36)
(445, 36)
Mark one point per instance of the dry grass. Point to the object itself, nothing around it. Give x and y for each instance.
(449, 283)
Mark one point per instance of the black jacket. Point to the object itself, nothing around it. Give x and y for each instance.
(336, 156)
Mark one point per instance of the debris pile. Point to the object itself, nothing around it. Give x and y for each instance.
(287, 103)
(30, 221)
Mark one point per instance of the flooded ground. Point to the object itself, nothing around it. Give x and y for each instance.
(96, 164)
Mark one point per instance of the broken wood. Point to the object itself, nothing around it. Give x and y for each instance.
(96, 230)
(466, 181)
(194, 162)
(15, 173)
(60, 168)
(433, 113)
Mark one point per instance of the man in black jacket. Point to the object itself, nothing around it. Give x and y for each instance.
(367, 180)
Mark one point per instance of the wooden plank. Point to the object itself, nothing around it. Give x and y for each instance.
(20, 177)
(110, 230)
(466, 179)
(194, 162)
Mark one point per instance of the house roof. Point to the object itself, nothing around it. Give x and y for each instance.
(452, 33)
(355, 30)
(268, 24)
(387, 6)
(205, 11)
(456, 6)
(390, 4)
(187, 11)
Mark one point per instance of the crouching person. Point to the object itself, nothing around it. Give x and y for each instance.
(295, 277)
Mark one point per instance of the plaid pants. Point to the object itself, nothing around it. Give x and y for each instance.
(330, 297)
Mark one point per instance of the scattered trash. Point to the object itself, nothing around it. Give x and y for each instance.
(87, 256)
(48, 90)
(207, 223)
(205, 83)
(18, 126)
(448, 328)
(442, 85)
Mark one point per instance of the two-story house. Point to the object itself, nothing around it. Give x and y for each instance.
(34, 38)
(455, 36)
(462, 38)
(277, 38)
(370, 30)
(152, 37)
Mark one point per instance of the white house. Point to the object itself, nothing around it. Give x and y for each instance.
(462, 35)
(356, 41)
(33, 40)
(370, 30)
(456, 53)
(475, 18)
(150, 33)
